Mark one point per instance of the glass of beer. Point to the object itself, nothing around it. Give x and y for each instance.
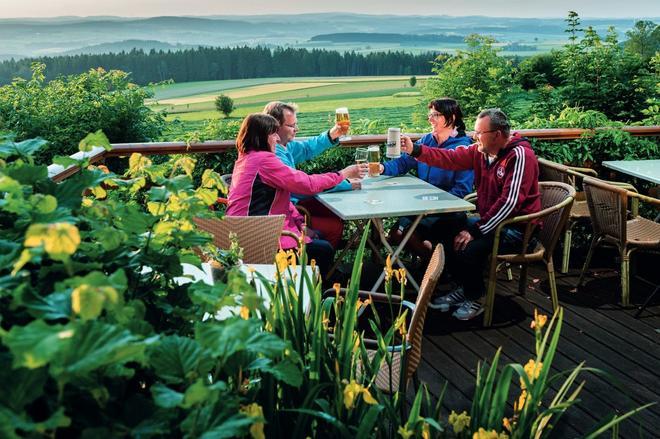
(361, 156)
(343, 119)
(374, 160)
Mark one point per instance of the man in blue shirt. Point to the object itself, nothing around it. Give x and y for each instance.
(292, 152)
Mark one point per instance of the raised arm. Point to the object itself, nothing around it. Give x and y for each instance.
(458, 159)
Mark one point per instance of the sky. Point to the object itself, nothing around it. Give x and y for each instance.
(495, 8)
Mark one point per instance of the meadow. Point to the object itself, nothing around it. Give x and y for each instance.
(389, 99)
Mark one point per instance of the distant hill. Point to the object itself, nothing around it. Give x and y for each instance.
(127, 46)
(33, 37)
(361, 37)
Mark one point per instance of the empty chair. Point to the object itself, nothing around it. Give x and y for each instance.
(414, 333)
(556, 202)
(608, 206)
(258, 236)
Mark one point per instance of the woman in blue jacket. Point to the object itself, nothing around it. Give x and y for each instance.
(448, 131)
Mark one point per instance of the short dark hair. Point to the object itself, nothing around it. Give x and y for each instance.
(451, 111)
(498, 120)
(254, 132)
(277, 109)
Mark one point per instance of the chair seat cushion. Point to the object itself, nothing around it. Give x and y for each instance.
(643, 232)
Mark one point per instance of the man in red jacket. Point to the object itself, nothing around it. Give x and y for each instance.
(506, 174)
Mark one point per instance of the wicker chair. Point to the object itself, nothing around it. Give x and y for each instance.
(259, 236)
(608, 206)
(414, 335)
(551, 171)
(556, 202)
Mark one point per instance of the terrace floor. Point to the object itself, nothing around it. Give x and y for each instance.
(596, 330)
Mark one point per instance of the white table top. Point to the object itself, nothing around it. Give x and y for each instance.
(193, 274)
(645, 169)
(383, 197)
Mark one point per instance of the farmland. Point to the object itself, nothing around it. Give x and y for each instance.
(389, 99)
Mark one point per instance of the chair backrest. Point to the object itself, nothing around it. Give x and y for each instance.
(552, 171)
(416, 328)
(608, 206)
(560, 195)
(259, 236)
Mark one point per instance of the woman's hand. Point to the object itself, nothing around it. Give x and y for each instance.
(354, 171)
(406, 144)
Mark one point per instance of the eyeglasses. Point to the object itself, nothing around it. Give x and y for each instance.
(479, 133)
(434, 115)
(291, 125)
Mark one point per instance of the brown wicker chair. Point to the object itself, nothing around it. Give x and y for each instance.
(259, 236)
(608, 206)
(556, 202)
(414, 334)
(551, 171)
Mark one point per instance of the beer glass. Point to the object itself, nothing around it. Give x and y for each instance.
(343, 119)
(374, 160)
(393, 143)
(361, 156)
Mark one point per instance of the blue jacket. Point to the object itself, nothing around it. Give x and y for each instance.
(298, 151)
(458, 183)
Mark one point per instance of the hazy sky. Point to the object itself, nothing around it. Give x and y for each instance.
(505, 8)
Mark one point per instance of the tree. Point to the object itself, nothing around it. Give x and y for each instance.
(224, 104)
(413, 81)
(478, 78)
(643, 39)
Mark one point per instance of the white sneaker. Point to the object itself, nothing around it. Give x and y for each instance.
(444, 303)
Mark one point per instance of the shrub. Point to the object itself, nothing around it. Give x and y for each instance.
(478, 78)
(66, 109)
(224, 104)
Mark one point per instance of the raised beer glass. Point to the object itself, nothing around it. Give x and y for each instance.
(374, 160)
(343, 119)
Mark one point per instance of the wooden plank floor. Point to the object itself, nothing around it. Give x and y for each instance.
(596, 330)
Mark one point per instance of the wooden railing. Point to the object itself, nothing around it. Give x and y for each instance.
(97, 155)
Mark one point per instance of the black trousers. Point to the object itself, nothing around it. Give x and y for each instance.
(322, 252)
(467, 266)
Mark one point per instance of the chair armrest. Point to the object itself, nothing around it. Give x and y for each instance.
(533, 216)
(290, 234)
(470, 197)
(644, 198)
(586, 171)
(304, 212)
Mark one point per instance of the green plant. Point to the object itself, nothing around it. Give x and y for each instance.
(66, 109)
(224, 104)
(478, 78)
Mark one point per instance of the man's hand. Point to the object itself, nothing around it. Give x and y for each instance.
(338, 131)
(461, 240)
(356, 184)
(406, 144)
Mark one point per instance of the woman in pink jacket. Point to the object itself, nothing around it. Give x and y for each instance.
(261, 184)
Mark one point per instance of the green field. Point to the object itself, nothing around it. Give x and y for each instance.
(389, 99)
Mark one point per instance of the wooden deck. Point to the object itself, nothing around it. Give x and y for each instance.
(596, 330)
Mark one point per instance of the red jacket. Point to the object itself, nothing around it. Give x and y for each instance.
(507, 187)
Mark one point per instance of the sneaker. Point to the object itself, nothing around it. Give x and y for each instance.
(443, 303)
(468, 310)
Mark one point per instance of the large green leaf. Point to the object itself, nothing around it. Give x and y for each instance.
(165, 397)
(179, 359)
(22, 149)
(235, 335)
(285, 371)
(21, 386)
(69, 192)
(216, 421)
(9, 251)
(26, 174)
(94, 345)
(37, 343)
(53, 306)
(10, 422)
(97, 138)
(130, 219)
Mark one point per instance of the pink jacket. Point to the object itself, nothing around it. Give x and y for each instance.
(261, 185)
